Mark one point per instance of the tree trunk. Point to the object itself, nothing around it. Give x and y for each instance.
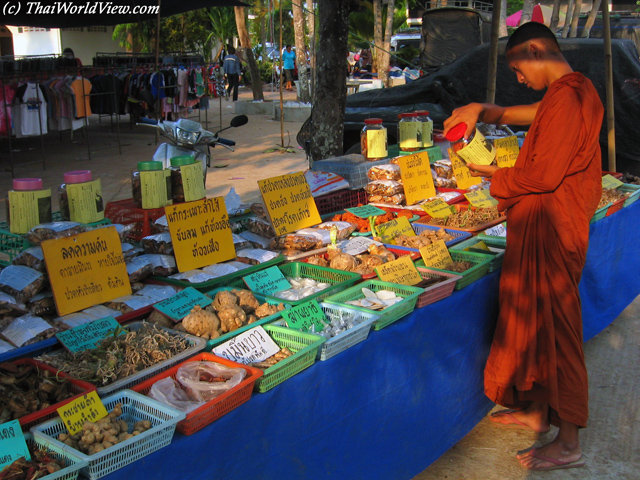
(311, 26)
(245, 43)
(527, 11)
(574, 20)
(327, 114)
(591, 19)
(503, 18)
(377, 35)
(555, 16)
(383, 65)
(301, 52)
(567, 19)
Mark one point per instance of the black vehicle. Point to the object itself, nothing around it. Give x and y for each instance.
(465, 80)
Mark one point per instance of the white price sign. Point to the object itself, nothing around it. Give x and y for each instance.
(497, 231)
(254, 345)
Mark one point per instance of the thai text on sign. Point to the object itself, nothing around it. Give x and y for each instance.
(507, 150)
(179, 305)
(12, 443)
(87, 408)
(402, 270)
(302, 317)
(437, 208)
(390, 230)
(254, 345)
(462, 173)
(267, 281)
(366, 211)
(87, 336)
(415, 171)
(200, 233)
(436, 255)
(481, 199)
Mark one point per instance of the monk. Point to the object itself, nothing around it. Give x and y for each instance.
(536, 364)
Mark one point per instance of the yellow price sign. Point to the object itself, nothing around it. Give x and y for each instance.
(289, 202)
(200, 233)
(462, 172)
(610, 182)
(87, 408)
(481, 199)
(417, 180)
(401, 270)
(478, 246)
(437, 208)
(86, 269)
(507, 150)
(390, 230)
(436, 255)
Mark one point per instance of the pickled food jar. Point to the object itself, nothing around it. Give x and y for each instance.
(427, 128)
(475, 149)
(28, 204)
(409, 132)
(373, 139)
(80, 197)
(151, 185)
(187, 179)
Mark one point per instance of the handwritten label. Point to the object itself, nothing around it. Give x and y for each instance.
(87, 336)
(267, 281)
(610, 182)
(87, 408)
(462, 173)
(200, 233)
(12, 443)
(401, 270)
(366, 211)
(86, 269)
(416, 177)
(179, 305)
(436, 255)
(156, 188)
(254, 345)
(301, 317)
(481, 198)
(390, 230)
(289, 202)
(498, 230)
(507, 150)
(85, 201)
(437, 208)
(193, 182)
(28, 208)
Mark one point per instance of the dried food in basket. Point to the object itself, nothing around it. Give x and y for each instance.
(344, 229)
(468, 218)
(376, 300)
(384, 172)
(297, 241)
(426, 237)
(363, 225)
(611, 195)
(273, 359)
(21, 282)
(31, 257)
(385, 188)
(458, 267)
(42, 463)
(159, 243)
(53, 230)
(119, 356)
(397, 199)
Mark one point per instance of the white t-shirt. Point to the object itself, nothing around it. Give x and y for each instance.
(30, 115)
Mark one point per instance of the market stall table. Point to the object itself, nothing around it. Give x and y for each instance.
(391, 405)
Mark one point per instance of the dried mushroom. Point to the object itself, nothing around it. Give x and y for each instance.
(231, 318)
(202, 323)
(343, 261)
(224, 299)
(246, 300)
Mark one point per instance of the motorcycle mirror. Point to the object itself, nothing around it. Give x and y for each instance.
(239, 120)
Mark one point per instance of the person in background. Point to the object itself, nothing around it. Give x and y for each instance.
(289, 66)
(231, 67)
(536, 365)
(68, 54)
(365, 59)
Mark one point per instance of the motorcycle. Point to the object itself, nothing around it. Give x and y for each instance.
(190, 139)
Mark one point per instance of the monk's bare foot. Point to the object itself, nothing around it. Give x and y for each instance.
(527, 419)
(554, 455)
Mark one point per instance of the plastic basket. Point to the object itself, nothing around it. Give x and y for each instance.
(496, 257)
(229, 335)
(353, 168)
(32, 350)
(600, 213)
(473, 230)
(338, 278)
(634, 193)
(368, 234)
(78, 388)
(615, 206)
(223, 280)
(389, 314)
(125, 212)
(339, 200)
(135, 407)
(71, 462)
(440, 290)
(495, 240)
(480, 267)
(11, 245)
(419, 228)
(215, 408)
(346, 339)
(304, 347)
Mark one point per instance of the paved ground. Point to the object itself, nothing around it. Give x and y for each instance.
(487, 453)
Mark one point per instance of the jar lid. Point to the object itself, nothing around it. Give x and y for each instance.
(457, 132)
(372, 121)
(27, 184)
(422, 113)
(77, 176)
(147, 166)
(408, 115)
(182, 160)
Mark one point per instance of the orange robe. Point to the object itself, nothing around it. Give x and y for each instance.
(550, 195)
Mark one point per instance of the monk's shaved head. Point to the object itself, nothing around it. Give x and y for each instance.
(533, 31)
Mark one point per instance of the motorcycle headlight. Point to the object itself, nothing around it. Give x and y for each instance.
(185, 136)
(168, 130)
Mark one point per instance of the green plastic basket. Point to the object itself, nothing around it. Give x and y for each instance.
(600, 213)
(389, 314)
(11, 245)
(633, 189)
(496, 257)
(304, 347)
(480, 267)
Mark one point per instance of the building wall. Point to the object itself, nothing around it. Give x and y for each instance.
(35, 41)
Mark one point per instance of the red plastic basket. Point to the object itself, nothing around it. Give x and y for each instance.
(78, 387)
(613, 174)
(213, 409)
(339, 200)
(615, 206)
(125, 212)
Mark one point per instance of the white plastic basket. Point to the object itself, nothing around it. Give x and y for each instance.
(135, 407)
(72, 463)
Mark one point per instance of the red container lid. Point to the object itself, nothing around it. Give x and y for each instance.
(77, 176)
(24, 184)
(372, 121)
(408, 115)
(457, 132)
(422, 113)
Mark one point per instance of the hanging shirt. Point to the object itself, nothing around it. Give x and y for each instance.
(30, 110)
(81, 89)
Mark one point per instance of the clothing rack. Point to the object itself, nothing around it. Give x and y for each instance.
(133, 59)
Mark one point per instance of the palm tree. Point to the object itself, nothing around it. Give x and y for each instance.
(135, 37)
(223, 25)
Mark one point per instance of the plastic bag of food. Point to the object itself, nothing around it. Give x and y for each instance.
(42, 303)
(28, 329)
(123, 230)
(344, 228)
(10, 306)
(169, 392)
(21, 282)
(442, 170)
(445, 182)
(139, 268)
(397, 199)
(159, 243)
(239, 242)
(48, 231)
(129, 303)
(129, 252)
(261, 227)
(157, 292)
(163, 265)
(384, 172)
(384, 187)
(31, 257)
(160, 225)
(204, 381)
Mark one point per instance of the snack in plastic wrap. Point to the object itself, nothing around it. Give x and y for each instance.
(442, 170)
(53, 230)
(259, 210)
(21, 282)
(162, 265)
(139, 269)
(31, 257)
(159, 243)
(386, 188)
(384, 172)
(27, 329)
(344, 229)
(440, 182)
(160, 225)
(203, 381)
(382, 251)
(129, 252)
(42, 304)
(129, 303)
(260, 226)
(296, 241)
(397, 199)
(10, 306)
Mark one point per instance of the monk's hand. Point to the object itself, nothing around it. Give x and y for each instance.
(469, 115)
(481, 170)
